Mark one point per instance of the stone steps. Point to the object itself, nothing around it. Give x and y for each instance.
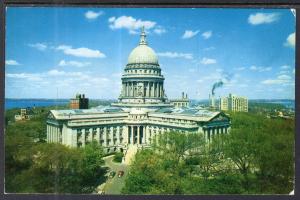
(129, 154)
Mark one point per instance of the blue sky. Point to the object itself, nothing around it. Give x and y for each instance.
(54, 52)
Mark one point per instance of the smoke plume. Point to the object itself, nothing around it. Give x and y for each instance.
(226, 78)
(216, 85)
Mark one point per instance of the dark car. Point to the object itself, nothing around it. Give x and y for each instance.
(120, 173)
(112, 174)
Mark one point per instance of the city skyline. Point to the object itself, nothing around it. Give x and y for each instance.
(84, 50)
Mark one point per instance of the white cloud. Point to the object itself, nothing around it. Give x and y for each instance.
(199, 81)
(28, 76)
(240, 68)
(12, 62)
(207, 34)
(274, 81)
(263, 18)
(284, 72)
(214, 76)
(81, 52)
(111, 19)
(209, 48)
(93, 15)
(55, 72)
(290, 40)
(260, 69)
(63, 63)
(285, 67)
(39, 46)
(130, 23)
(281, 79)
(208, 61)
(48, 74)
(175, 55)
(189, 34)
(159, 30)
(254, 68)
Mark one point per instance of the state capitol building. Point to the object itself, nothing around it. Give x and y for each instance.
(142, 112)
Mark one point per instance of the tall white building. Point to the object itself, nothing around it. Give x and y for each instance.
(234, 103)
(141, 114)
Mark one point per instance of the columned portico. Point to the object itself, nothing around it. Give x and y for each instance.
(136, 134)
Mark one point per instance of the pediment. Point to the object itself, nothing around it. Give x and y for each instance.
(50, 116)
(220, 117)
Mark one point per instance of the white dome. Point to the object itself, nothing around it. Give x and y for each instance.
(142, 54)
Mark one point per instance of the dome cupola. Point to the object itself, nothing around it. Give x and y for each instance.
(142, 54)
(142, 81)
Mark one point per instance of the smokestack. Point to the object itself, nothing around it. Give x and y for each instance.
(213, 100)
(182, 95)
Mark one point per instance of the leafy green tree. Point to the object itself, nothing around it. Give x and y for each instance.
(118, 157)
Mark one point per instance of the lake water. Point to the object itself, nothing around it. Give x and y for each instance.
(24, 103)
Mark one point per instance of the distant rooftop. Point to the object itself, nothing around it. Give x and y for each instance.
(195, 112)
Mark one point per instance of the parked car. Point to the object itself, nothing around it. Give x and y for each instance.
(120, 174)
(112, 174)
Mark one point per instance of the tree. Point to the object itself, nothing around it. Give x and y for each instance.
(118, 157)
(163, 169)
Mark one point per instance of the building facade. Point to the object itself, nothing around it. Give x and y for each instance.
(79, 102)
(142, 112)
(183, 102)
(234, 103)
(25, 114)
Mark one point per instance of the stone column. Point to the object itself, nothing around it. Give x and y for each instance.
(144, 135)
(131, 137)
(138, 135)
(149, 89)
(57, 137)
(83, 137)
(155, 90)
(52, 133)
(118, 134)
(50, 137)
(133, 89)
(47, 133)
(146, 86)
(128, 88)
(98, 135)
(105, 135)
(126, 137)
(152, 89)
(112, 135)
(54, 130)
(158, 90)
(91, 135)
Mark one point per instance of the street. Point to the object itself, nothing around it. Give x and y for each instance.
(115, 185)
